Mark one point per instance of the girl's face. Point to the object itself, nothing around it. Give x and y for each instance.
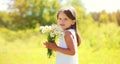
(64, 21)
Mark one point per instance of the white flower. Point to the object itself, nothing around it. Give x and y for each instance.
(45, 29)
(52, 34)
(53, 30)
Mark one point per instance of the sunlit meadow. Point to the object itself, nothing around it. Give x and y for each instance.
(100, 45)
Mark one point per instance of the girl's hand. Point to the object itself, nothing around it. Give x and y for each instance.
(52, 46)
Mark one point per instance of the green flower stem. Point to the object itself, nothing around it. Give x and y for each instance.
(51, 40)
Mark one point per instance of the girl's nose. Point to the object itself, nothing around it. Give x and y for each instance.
(61, 20)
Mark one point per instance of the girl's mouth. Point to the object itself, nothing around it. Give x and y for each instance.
(62, 24)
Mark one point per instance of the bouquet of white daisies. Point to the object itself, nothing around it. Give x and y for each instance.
(53, 31)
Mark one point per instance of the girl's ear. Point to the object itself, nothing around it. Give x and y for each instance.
(73, 22)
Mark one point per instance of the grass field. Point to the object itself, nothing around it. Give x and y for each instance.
(100, 45)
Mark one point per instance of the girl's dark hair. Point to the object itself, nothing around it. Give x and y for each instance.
(71, 13)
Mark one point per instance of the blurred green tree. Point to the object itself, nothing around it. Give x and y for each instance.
(5, 19)
(118, 17)
(27, 13)
(112, 17)
(104, 18)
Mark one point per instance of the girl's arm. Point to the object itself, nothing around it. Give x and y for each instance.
(70, 50)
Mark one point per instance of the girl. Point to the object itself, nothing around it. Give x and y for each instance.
(66, 51)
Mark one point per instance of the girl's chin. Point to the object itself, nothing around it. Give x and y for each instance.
(63, 28)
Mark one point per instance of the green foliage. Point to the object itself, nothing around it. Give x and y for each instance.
(104, 17)
(25, 14)
(100, 45)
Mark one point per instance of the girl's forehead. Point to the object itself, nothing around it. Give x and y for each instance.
(62, 14)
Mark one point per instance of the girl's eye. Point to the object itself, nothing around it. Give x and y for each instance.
(59, 19)
(65, 19)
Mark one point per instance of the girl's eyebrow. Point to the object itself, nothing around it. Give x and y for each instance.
(65, 18)
(59, 18)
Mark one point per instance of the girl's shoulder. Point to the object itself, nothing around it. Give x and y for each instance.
(69, 32)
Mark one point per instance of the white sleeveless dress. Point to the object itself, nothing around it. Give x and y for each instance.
(62, 58)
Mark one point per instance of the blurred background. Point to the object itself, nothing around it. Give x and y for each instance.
(21, 42)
